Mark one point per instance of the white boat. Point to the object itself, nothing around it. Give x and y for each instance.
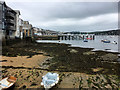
(7, 82)
(114, 42)
(49, 80)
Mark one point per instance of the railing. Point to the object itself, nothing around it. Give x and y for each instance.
(10, 27)
(10, 21)
(10, 14)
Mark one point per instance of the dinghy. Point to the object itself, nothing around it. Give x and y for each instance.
(105, 41)
(89, 38)
(7, 82)
(114, 42)
(85, 40)
(49, 80)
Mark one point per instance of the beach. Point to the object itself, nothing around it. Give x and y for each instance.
(77, 67)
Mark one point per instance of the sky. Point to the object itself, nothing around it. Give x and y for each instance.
(68, 16)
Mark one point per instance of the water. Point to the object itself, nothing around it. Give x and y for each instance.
(96, 44)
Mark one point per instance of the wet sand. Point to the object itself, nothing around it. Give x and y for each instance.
(23, 61)
(77, 67)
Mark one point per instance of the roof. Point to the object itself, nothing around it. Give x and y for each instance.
(2, 2)
(17, 11)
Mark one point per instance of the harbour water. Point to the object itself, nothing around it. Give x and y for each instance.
(96, 43)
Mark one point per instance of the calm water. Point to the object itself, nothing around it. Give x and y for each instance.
(96, 44)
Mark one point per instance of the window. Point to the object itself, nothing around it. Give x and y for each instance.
(3, 15)
(10, 33)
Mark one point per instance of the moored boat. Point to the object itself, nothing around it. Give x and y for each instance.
(89, 38)
(105, 41)
(114, 42)
(85, 40)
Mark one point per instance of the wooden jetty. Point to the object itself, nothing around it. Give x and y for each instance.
(66, 37)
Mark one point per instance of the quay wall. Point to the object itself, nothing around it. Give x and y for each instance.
(16, 40)
(47, 37)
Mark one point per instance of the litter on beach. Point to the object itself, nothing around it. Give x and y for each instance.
(7, 82)
(49, 80)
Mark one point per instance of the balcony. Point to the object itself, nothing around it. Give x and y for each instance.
(10, 21)
(9, 14)
(9, 27)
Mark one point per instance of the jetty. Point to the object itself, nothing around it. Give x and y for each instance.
(66, 37)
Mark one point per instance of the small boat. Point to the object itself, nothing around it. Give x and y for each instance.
(89, 38)
(49, 80)
(105, 41)
(114, 42)
(85, 40)
(7, 82)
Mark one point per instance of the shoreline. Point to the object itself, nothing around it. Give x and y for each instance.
(57, 42)
(68, 62)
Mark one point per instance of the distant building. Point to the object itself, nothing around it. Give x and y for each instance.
(50, 32)
(27, 29)
(31, 31)
(37, 31)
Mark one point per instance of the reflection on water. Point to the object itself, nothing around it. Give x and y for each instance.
(96, 44)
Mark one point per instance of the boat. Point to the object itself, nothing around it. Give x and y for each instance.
(49, 80)
(7, 82)
(114, 42)
(85, 40)
(89, 38)
(105, 41)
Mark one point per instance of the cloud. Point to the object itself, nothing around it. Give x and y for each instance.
(83, 15)
(83, 22)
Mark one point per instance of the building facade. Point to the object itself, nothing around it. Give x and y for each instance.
(17, 33)
(7, 21)
(2, 19)
(37, 31)
(10, 23)
(21, 28)
(27, 29)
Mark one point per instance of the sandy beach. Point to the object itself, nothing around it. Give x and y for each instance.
(29, 62)
(23, 61)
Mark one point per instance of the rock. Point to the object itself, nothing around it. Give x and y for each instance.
(33, 84)
(97, 69)
(108, 86)
(23, 87)
(11, 61)
(109, 57)
(73, 51)
(3, 60)
(88, 53)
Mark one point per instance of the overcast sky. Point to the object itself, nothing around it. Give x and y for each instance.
(69, 16)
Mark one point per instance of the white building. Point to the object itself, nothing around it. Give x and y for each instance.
(37, 31)
(21, 27)
(27, 29)
(17, 33)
